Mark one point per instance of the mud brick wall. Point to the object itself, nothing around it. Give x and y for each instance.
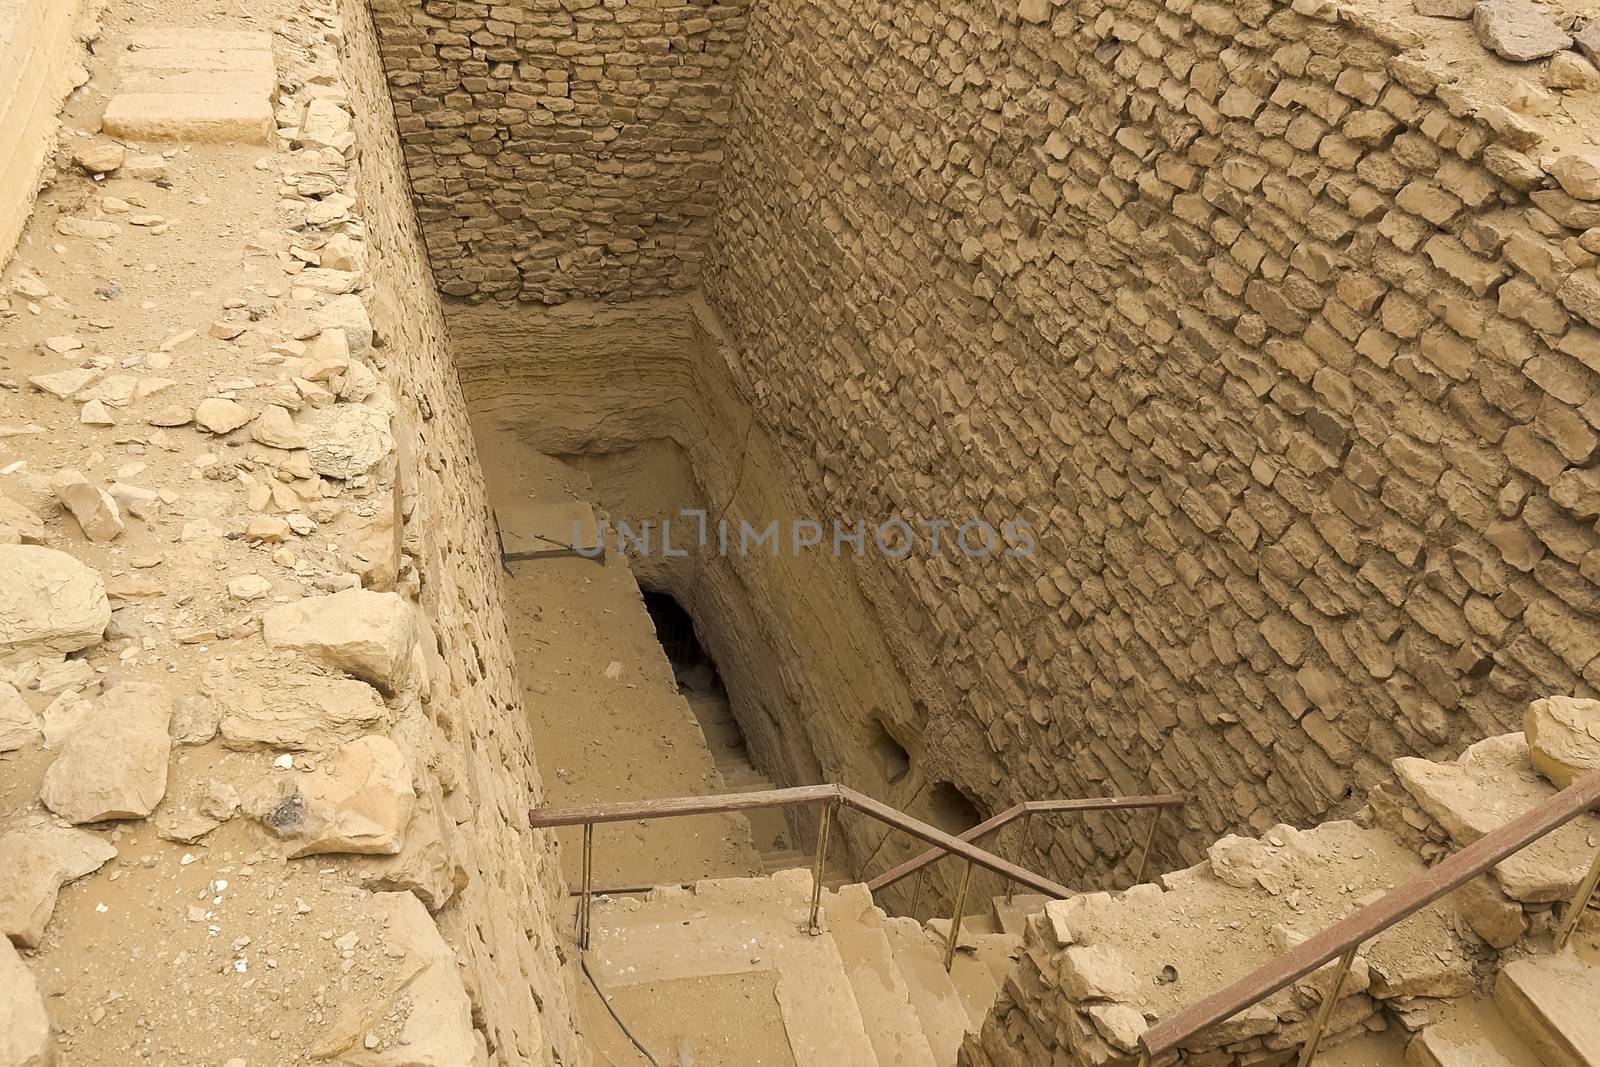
(1284, 342)
(563, 150)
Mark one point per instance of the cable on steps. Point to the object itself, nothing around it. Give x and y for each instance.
(583, 961)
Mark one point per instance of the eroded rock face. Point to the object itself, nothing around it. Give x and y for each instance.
(1563, 738)
(302, 712)
(359, 802)
(365, 634)
(18, 724)
(24, 1024)
(113, 765)
(35, 862)
(49, 602)
(436, 1030)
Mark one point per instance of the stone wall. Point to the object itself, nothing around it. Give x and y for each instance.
(1271, 321)
(563, 151)
(503, 922)
(40, 62)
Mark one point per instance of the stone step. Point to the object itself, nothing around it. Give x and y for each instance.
(213, 118)
(920, 957)
(1011, 916)
(1471, 1032)
(893, 1025)
(1553, 1004)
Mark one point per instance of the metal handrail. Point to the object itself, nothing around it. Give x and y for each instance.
(1036, 807)
(829, 796)
(1345, 937)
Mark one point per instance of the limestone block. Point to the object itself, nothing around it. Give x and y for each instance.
(113, 765)
(49, 602)
(1518, 30)
(35, 862)
(295, 713)
(1563, 738)
(367, 634)
(206, 118)
(358, 802)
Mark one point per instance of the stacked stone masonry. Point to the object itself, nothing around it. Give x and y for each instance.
(1277, 321)
(502, 923)
(562, 150)
(1284, 340)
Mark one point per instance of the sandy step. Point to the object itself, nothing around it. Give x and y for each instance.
(920, 957)
(893, 1025)
(1553, 1004)
(1470, 1033)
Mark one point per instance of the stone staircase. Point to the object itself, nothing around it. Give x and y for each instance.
(768, 829)
(1544, 1012)
(870, 991)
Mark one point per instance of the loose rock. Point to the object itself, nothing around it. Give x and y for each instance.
(219, 415)
(1518, 30)
(99, 158)
(97, 513)
(114, 765)
(35, 862)
(1563, 738)
(366, 634)
(19, 726)
(24, 1023)
(49, 602)
(359, 802)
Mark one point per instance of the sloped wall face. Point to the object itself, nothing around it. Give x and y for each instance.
(40, 62)
(1237, 306)
(561, 151)
(503, 923)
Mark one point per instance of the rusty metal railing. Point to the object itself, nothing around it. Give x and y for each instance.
(1342, 940)
(830, 797)
(1023, 811)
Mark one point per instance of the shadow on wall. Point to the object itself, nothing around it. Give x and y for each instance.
(639, 398)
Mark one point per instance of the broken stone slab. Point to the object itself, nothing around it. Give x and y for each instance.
(1491, 784)
(1492, 916)
(1518, 30)
(347, 440)
(97, 513)
(425, 989)
(49, 602)
(297, 713)
(35, 862)
(349, 314)
(1445, 9)
(326, 125)
(1422, 956)
(1563, 738)
(24, 1024)
(366, 634)
(359, 802)
(19, 726)
(89, 229)
(114, 764)
(187, 823)
(64, 384)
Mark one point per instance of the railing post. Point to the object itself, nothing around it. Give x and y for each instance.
(588, 886)
(1325, 1011)
(1579, 905)
(1144, 853)
(824, 822)
(955, 917)
(1022, 832)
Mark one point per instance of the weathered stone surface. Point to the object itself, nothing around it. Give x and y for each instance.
(19, 525)
(360, 802)
(437, 1027)
(19, 726)
(1563, 738)
(347, 440)
(367, 634)
(220, 117)
(24, 1024)
(99, 157)
(35, 862)
(427, 865)
(296, 712)
(1449, 9)
(1579, 174)
(49, 602)
(114, 764)
(275, 428)
(1518, 30)
(1491, 784)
